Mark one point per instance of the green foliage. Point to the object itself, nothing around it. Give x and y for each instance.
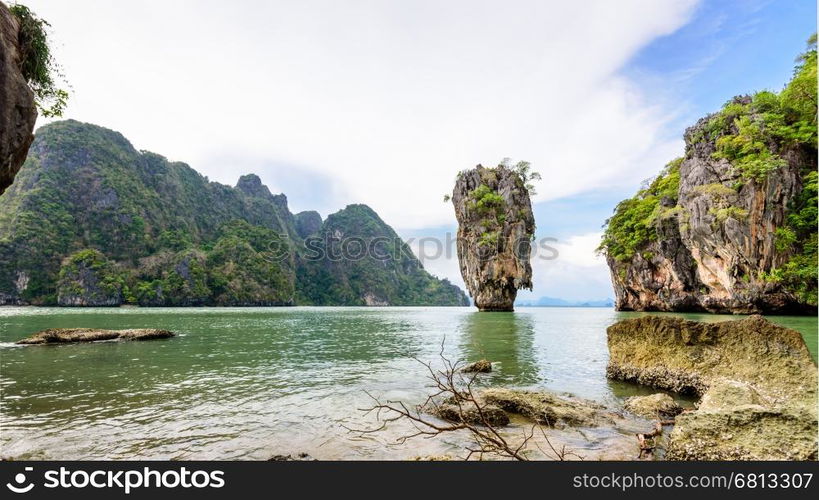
(784, 238)
(88, 274)
(486, 201)
(747, 149)
(174, 239)
(716, 190)
(795, 122)
(41, 71)
(730, 212)
(525, 172)
(745, 133)
(489, 239)
(798, 237)
(632, 226)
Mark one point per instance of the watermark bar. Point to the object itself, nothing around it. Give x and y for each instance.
(200, 480)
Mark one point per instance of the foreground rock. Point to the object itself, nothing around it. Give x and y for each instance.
(17, 109)
(689, 356)
(757, 380)
(660, 406)
(549, 409)
(733, 422)
(495, 226)
(69, 335)
(468, 414)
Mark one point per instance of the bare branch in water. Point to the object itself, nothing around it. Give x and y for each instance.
(451, 387)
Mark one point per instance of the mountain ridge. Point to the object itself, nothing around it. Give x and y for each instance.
(92, 221)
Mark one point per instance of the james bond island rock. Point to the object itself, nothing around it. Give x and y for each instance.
(757, 381)
(731, 226)
(71, 335)
(495, 229)
(18, 111)
(91, 221)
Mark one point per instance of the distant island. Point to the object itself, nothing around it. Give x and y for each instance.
(555, 302)
(91, 221)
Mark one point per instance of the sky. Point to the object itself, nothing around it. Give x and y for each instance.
(383, 102)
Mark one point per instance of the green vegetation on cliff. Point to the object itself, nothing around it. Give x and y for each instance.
(633, 224)
(761, 140)
(39, 68)
(91, 221)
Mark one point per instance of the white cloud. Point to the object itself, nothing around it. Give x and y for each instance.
(387, 99)
(577, 272)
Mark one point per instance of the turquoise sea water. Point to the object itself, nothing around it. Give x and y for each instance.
(248, 383)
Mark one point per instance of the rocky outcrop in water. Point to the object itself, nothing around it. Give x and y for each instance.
(731, 226)
(495, 228)
(17, 109)
(72, 335)
(757, 381)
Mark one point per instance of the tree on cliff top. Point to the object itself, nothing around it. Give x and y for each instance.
(41, 71)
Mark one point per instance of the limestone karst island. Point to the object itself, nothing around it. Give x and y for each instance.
(222, 236)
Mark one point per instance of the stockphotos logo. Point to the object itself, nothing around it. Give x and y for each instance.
(22, 485)
(125, 480)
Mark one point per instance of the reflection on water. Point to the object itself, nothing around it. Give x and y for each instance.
(248, 383)
(504, 338)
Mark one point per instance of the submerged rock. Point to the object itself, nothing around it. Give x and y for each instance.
(69, 335)
(480, 366)
(18, 112)
(469, 414)
(660, 405)
(757, 380)
(549, 409)
(495, 227)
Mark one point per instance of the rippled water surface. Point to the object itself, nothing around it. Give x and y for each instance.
(249, 383)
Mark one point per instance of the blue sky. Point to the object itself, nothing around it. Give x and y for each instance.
(383, 102)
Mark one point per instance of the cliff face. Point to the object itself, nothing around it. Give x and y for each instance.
(90, 221)
(731, 226)
(357, 258)
(495, 227)
(85, 281)
(17, 109)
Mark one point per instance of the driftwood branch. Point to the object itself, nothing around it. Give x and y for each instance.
(647, 441)
(450, 386)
